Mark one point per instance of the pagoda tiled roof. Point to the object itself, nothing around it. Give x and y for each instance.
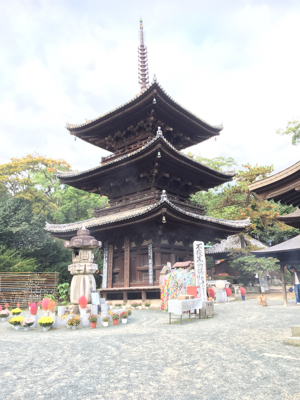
(231, 243)
(154, 85)
(129, 214)
(70, 174)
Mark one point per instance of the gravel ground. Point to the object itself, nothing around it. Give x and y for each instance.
(238, 354)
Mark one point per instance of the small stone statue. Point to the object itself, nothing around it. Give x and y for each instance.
(83, 267)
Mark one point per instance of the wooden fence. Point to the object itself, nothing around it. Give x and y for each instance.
(18, 287)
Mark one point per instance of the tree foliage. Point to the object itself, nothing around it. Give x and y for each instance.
(252, 264)
(234, 201)
(32, 178)
(292, 128)
(218, 163)
(11, 261)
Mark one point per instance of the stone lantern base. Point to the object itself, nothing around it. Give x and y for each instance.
(82, 285)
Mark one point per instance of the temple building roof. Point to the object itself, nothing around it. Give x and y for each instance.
(163, 207)
(283, 186)
(231, 243)
(292, 219)
(286, 252)
(142, 115)
(164, 158)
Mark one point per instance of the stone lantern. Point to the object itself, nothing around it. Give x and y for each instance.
(83, 267)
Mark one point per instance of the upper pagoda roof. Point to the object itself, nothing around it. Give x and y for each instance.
(154, 99)
(208, 177)
(283, 186)
(217, 226)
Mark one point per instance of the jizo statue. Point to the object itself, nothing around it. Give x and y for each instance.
(83, 267)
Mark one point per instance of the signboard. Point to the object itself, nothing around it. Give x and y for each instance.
(200, 271)
(105, 260)
(150, 263)
(95, 294)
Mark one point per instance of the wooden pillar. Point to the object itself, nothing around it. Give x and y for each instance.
(173, 259)
(110, 265)
(125, 298)
(282, 265)
(126, 261)
(144, 297)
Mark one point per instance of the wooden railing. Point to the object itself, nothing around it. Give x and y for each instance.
(26, 287)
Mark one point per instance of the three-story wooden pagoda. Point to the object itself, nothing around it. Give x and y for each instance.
(148, 181)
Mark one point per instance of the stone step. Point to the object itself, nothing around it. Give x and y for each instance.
(296, 331)
(295, 341)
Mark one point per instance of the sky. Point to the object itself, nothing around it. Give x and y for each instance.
(234, 62)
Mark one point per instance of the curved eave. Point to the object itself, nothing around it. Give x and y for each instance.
(289, 246)
(281, 186)
(137, 103)
(149, 212)
(292, 219)
(71, 177)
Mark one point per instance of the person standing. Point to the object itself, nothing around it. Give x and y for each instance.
(295, 280)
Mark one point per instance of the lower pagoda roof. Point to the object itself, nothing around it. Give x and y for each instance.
(182, 218)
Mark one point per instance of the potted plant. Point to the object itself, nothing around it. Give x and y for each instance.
(140, 306)
(118, 305)
(134, 305)
(16, 311)
(74, 322)
(27, 323)
(46, 323)
(124, 317)
(124, 305)
(129, 312)
(93, 321)
(115, 318)
(147, 305)
(105, 321)
(4, 314)
(16, 322)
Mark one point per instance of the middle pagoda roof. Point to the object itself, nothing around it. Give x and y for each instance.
(139, 119)
(156, 164)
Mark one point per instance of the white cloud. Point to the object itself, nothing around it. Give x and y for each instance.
(64, 61)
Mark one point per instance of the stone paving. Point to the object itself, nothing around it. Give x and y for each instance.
(238, 354)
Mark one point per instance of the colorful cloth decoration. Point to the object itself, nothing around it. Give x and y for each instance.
(174, 284)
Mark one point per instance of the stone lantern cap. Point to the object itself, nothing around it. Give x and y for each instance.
(83, 240)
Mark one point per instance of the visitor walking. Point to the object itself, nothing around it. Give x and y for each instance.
(295, 280)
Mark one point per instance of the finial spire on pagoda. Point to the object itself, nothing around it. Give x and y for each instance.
(143, 61)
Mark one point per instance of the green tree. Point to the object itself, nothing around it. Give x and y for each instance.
(76, 205)
(292, 128)
(252, 264)
(10, 261)
(23, 231)
(218, 163)
(32, 178)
